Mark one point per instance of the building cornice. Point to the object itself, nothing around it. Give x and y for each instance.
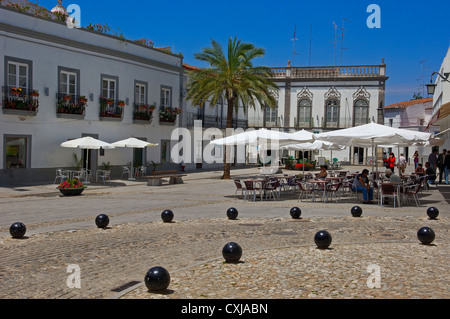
(86, 46)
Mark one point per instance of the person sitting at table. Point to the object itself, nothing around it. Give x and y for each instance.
(420, 170)
(323, 172)
(361, 184)
(431, 172)
(393, 178)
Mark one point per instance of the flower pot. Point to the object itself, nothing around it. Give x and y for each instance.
(71, 191)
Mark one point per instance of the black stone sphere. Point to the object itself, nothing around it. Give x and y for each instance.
(167, 216)
(157, 279)
(102, 221)
(232, 252)
(295, 212)
(426, 235)
(17, 230)
(232, 213)
(323, 239)
(356, 211)
(432, 212)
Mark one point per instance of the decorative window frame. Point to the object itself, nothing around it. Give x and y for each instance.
(361, 94)
(332, 95)
(304, 94)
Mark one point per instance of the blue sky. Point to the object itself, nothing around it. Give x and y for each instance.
(413, 39)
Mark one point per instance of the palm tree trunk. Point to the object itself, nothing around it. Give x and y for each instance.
(227, 164)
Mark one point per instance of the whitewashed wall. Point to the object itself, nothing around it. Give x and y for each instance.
(47, 131)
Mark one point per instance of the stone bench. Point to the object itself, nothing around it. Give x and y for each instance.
(157, 177)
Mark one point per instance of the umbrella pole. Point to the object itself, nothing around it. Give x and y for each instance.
(131, 177)
(87, 167)
(372, 155)
(332, 162)
(303, 163)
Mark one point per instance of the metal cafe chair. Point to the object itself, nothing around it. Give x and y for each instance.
(61, 174)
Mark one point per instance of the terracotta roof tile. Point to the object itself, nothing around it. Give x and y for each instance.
(408, 103)
(190, 67)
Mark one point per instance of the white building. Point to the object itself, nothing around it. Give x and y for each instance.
(441, 102)
(412, 115)
(65, 65)
(320, 99)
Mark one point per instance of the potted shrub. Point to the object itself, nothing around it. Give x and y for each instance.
(71, 187)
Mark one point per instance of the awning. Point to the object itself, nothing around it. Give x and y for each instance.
(442, 113)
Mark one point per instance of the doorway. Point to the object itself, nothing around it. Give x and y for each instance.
(359, 153)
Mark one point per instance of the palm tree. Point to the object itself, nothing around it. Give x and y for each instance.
(233, 76)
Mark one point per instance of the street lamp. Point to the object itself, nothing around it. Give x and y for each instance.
(432, 86)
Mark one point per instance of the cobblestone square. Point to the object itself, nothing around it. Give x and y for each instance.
(279, 261)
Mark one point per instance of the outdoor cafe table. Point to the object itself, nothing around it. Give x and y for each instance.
(258, 183)
(399, 186)
(317, 182)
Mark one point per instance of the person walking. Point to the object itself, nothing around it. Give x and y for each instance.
(432, 159)
(447, 166)
(391, 162)
(416, 159)
(401, 164)
(441, 165)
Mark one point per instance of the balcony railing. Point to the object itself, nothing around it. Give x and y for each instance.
(143, 112)
(17, 100)
(70, 104)
(168, 114)
(214, 121)
(110, 109)
(357, 71)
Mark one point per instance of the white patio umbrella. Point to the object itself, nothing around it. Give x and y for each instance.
(88, 143)
(372, 135)
(263, 136)
(133, 142)
(316, 145)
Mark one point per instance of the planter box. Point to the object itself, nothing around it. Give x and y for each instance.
(142, 122)
(110, 118)
(70, 116)
(19, 112)
(71, 191)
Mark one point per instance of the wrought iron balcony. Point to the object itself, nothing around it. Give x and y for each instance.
(17, 100)
(143, 112)
(110, 108)
(70, 104)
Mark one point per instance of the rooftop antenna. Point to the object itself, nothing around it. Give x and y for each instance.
(310, 45)
(422, 77)
(342, 39)
(293, 51)
(335, 41)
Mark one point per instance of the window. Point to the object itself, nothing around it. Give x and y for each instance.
(361, 115)
(166, 97)
(17, 151)
(140, 93)
(304, 113)
(18, 73)
(270, 116)
(109, 88)
(68, 83)
(332, 113)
